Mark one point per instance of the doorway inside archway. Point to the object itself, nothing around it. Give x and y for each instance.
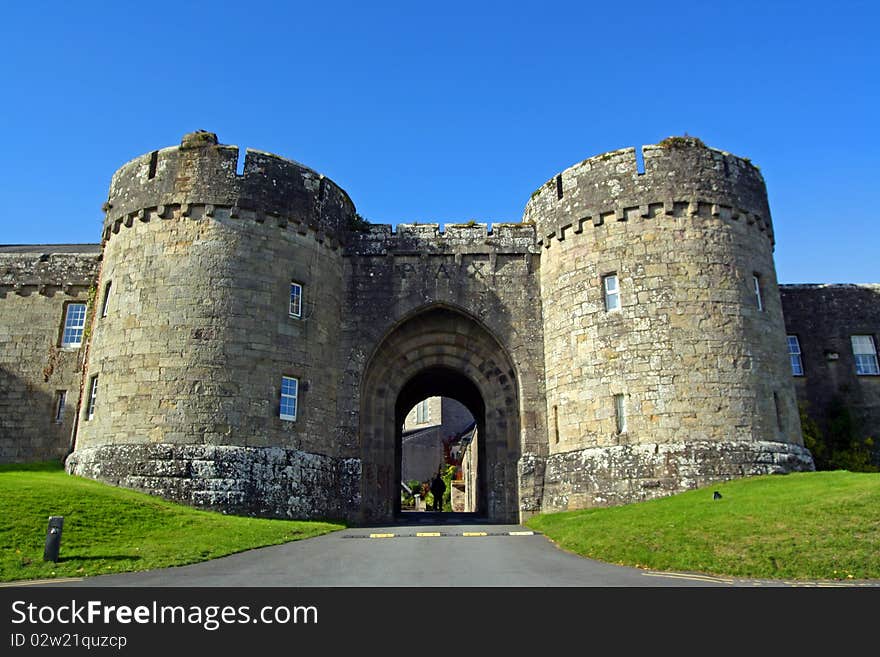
(439, 438)
(440, 352)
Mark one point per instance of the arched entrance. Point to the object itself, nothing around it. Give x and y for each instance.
(440, 351)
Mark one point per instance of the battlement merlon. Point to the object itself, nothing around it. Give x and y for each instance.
(49, 266)
(201, 171)
(381, 239)
(676, 168)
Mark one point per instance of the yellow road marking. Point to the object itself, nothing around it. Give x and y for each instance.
(701, 578)
(32, 582)
(474, 534)
(427, 533)
(381, 535)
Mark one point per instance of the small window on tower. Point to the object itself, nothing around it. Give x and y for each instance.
(778, 407)
(611, 291)
(106, 302)
(60, 400)
(759, 301)
(620, 413)
(296, 300)
(93, 398)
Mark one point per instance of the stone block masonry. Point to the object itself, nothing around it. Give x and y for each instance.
(579, 399)
(39, 378)
(691, 351)
(823, 319)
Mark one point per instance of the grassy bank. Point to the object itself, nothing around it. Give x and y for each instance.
(111, 530)
(817, 525)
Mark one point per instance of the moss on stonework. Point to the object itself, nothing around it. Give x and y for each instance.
(682, 142)
(198, 139)
(90, 305)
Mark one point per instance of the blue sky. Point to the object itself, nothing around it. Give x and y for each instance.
(446, 112)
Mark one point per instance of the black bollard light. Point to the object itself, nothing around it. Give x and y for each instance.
(53, 538)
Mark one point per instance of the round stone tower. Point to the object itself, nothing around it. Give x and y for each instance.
(665, 351)
(211, 375)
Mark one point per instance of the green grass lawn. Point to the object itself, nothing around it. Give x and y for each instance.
(112, 530)
(811, 525)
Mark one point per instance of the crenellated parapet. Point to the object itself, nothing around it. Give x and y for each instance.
(200, 179)
(296, 223)
(681, 177)
(48, 269)
(408, 239)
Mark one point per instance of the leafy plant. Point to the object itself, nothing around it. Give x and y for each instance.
(681, 142)
(843, 446)
(358, 224)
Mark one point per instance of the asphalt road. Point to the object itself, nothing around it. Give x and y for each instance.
(418, 554)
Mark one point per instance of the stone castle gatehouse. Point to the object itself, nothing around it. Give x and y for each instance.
(246, 342)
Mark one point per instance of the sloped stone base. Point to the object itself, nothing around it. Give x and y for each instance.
(609, 476)
(267, 482)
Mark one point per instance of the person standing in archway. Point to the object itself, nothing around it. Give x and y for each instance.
(438, 487)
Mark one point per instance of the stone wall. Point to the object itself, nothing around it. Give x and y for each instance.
(823, 318)
(690, 353)
(198, 335)
(36, 285)
(433, 406)
(198, 259)
(480, 287)
(269, 482)
(422, 443)
(421, 453)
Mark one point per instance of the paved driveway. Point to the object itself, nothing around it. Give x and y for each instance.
(417, 554)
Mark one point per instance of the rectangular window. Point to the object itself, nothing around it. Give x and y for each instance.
(612, 292)
(865, 352)
(620, 413)
(296, 300)
(794, 355)
(289, 389)
(106, 299)
(74, 325)
(60, 399)
(756, 281)
(422, 415)
(93, 396)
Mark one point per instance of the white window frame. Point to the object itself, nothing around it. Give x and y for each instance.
(865, 355)
(620, 413)
(74, 326)
(93, 397)
(296, 295)
(611, 292)
(106, 304)
(794, 355)
(286, 394)
(756, 281)
(423, 413)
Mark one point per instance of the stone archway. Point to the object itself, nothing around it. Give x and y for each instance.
(443, 351)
